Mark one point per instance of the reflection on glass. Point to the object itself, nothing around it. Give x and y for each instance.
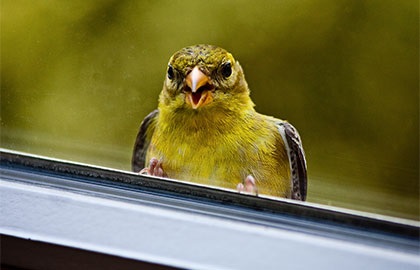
(77, 78)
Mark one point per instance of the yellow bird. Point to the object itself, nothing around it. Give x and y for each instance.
(206, 130)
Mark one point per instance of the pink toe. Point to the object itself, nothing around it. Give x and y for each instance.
(240, 187)
(152, 166)
(250, 184)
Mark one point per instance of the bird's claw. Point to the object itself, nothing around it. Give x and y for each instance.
(249, 185)
(154, 169)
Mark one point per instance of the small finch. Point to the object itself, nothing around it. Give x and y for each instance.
(207, 131)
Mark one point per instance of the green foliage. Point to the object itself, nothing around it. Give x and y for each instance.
(78, 77)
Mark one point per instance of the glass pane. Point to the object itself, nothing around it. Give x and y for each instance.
(78, 78)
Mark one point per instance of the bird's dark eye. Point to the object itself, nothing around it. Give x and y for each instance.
(226, 69)
(171, 73)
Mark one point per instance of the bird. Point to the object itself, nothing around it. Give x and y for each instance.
(206, 130)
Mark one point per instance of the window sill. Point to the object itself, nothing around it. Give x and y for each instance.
(171, 223)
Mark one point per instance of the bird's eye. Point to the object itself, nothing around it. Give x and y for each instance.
(226, 69)
(171, 73)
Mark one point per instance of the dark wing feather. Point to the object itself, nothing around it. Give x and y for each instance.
(297, 160)
(143, 141)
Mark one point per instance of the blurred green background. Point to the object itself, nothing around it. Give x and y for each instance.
(77, 78)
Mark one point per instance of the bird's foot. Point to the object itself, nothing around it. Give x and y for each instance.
(249, 185)
(154, 169)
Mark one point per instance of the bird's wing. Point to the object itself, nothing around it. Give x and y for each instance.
(297, 159)
(143, 141)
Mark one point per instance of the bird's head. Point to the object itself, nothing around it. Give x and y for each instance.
(201, 77)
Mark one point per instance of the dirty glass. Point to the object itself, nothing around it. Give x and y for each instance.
(78, 77)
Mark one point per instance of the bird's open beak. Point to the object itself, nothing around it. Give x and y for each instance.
(198, 91)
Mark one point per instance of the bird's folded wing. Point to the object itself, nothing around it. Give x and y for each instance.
(143, 141)
(297, 159)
